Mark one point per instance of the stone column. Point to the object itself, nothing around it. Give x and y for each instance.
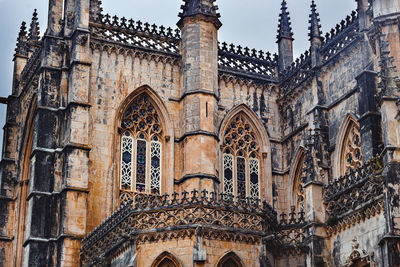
(75, 143)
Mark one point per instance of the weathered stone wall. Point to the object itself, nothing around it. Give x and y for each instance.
(113, 77)
(364, 235)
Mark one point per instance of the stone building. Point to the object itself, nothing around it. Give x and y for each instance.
(129, 144)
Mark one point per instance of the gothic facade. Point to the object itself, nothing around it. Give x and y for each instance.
(129, 144)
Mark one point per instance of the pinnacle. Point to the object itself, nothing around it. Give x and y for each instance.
(34, 30)
(315, 26)
(284, 27)
(194, 7)
(22, 36)
(206, 8)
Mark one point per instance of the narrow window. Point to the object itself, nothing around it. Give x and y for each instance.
(155, 169)
(228, 174)
(141, 166)
(126, 162)
(254, 177)
(241, 176)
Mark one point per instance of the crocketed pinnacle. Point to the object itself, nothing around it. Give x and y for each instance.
(34, 31)
(21, 40)
(96, 10)
(284, 28)
(315, 26)
(206, 8)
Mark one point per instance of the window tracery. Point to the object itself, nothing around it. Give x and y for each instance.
(141, 147)
(299, 184)
(351, 152)
(241, 167)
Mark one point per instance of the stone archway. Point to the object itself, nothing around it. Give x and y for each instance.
(166, 260)
(230, 260)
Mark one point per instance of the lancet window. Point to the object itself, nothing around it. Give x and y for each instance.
(351, 152)
(141, 147)
(299, 184)
(241, 159)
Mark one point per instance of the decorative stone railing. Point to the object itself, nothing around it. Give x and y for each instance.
(247, 62)
(354, 190)
(32, 65)
(165, 213)
(136, 34)
(297, 73)
(340, 37)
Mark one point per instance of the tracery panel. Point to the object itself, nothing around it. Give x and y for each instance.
(141, 148)
(228, 174)
(126, 161)
(254, 178)
(241, 152)
(351, 156)
(155, 167)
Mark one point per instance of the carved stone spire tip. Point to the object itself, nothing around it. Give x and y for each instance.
(205, 8)
(284, 27)
(34, 30)
(315, 26)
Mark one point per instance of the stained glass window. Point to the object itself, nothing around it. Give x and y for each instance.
(241, 176)
(141, 148)
(241, 165)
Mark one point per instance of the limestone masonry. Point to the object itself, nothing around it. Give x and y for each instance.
(130, 144)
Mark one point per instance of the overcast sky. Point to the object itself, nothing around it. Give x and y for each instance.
(251, 23)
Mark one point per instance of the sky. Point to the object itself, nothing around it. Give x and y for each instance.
(251, 23)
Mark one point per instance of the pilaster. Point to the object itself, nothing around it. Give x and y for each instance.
(75, 144)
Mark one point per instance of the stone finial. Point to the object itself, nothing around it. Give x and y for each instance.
(96, 10)
(206, 8)
(284, 27)
(34, 31)
(21, 41)
(315, 26)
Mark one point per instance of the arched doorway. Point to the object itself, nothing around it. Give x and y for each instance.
(166, 260)
(230, 260)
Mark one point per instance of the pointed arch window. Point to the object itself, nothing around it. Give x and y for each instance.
(351, 157)
(298, 185)
(241, 159)
(141, 147)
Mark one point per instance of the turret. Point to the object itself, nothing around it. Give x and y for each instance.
(315, 35)
(285, 38)
(199, 23)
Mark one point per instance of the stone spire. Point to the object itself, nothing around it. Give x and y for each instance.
(34, 31)
(285, 39)
(315, 26)
(284, 27)
(203, 8)
(21, 41)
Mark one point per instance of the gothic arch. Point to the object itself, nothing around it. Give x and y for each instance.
(349, 126)
(166, 259)
(295, 176)
(230, 259)
(23, 190)
(265, 169)
(167, 151)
